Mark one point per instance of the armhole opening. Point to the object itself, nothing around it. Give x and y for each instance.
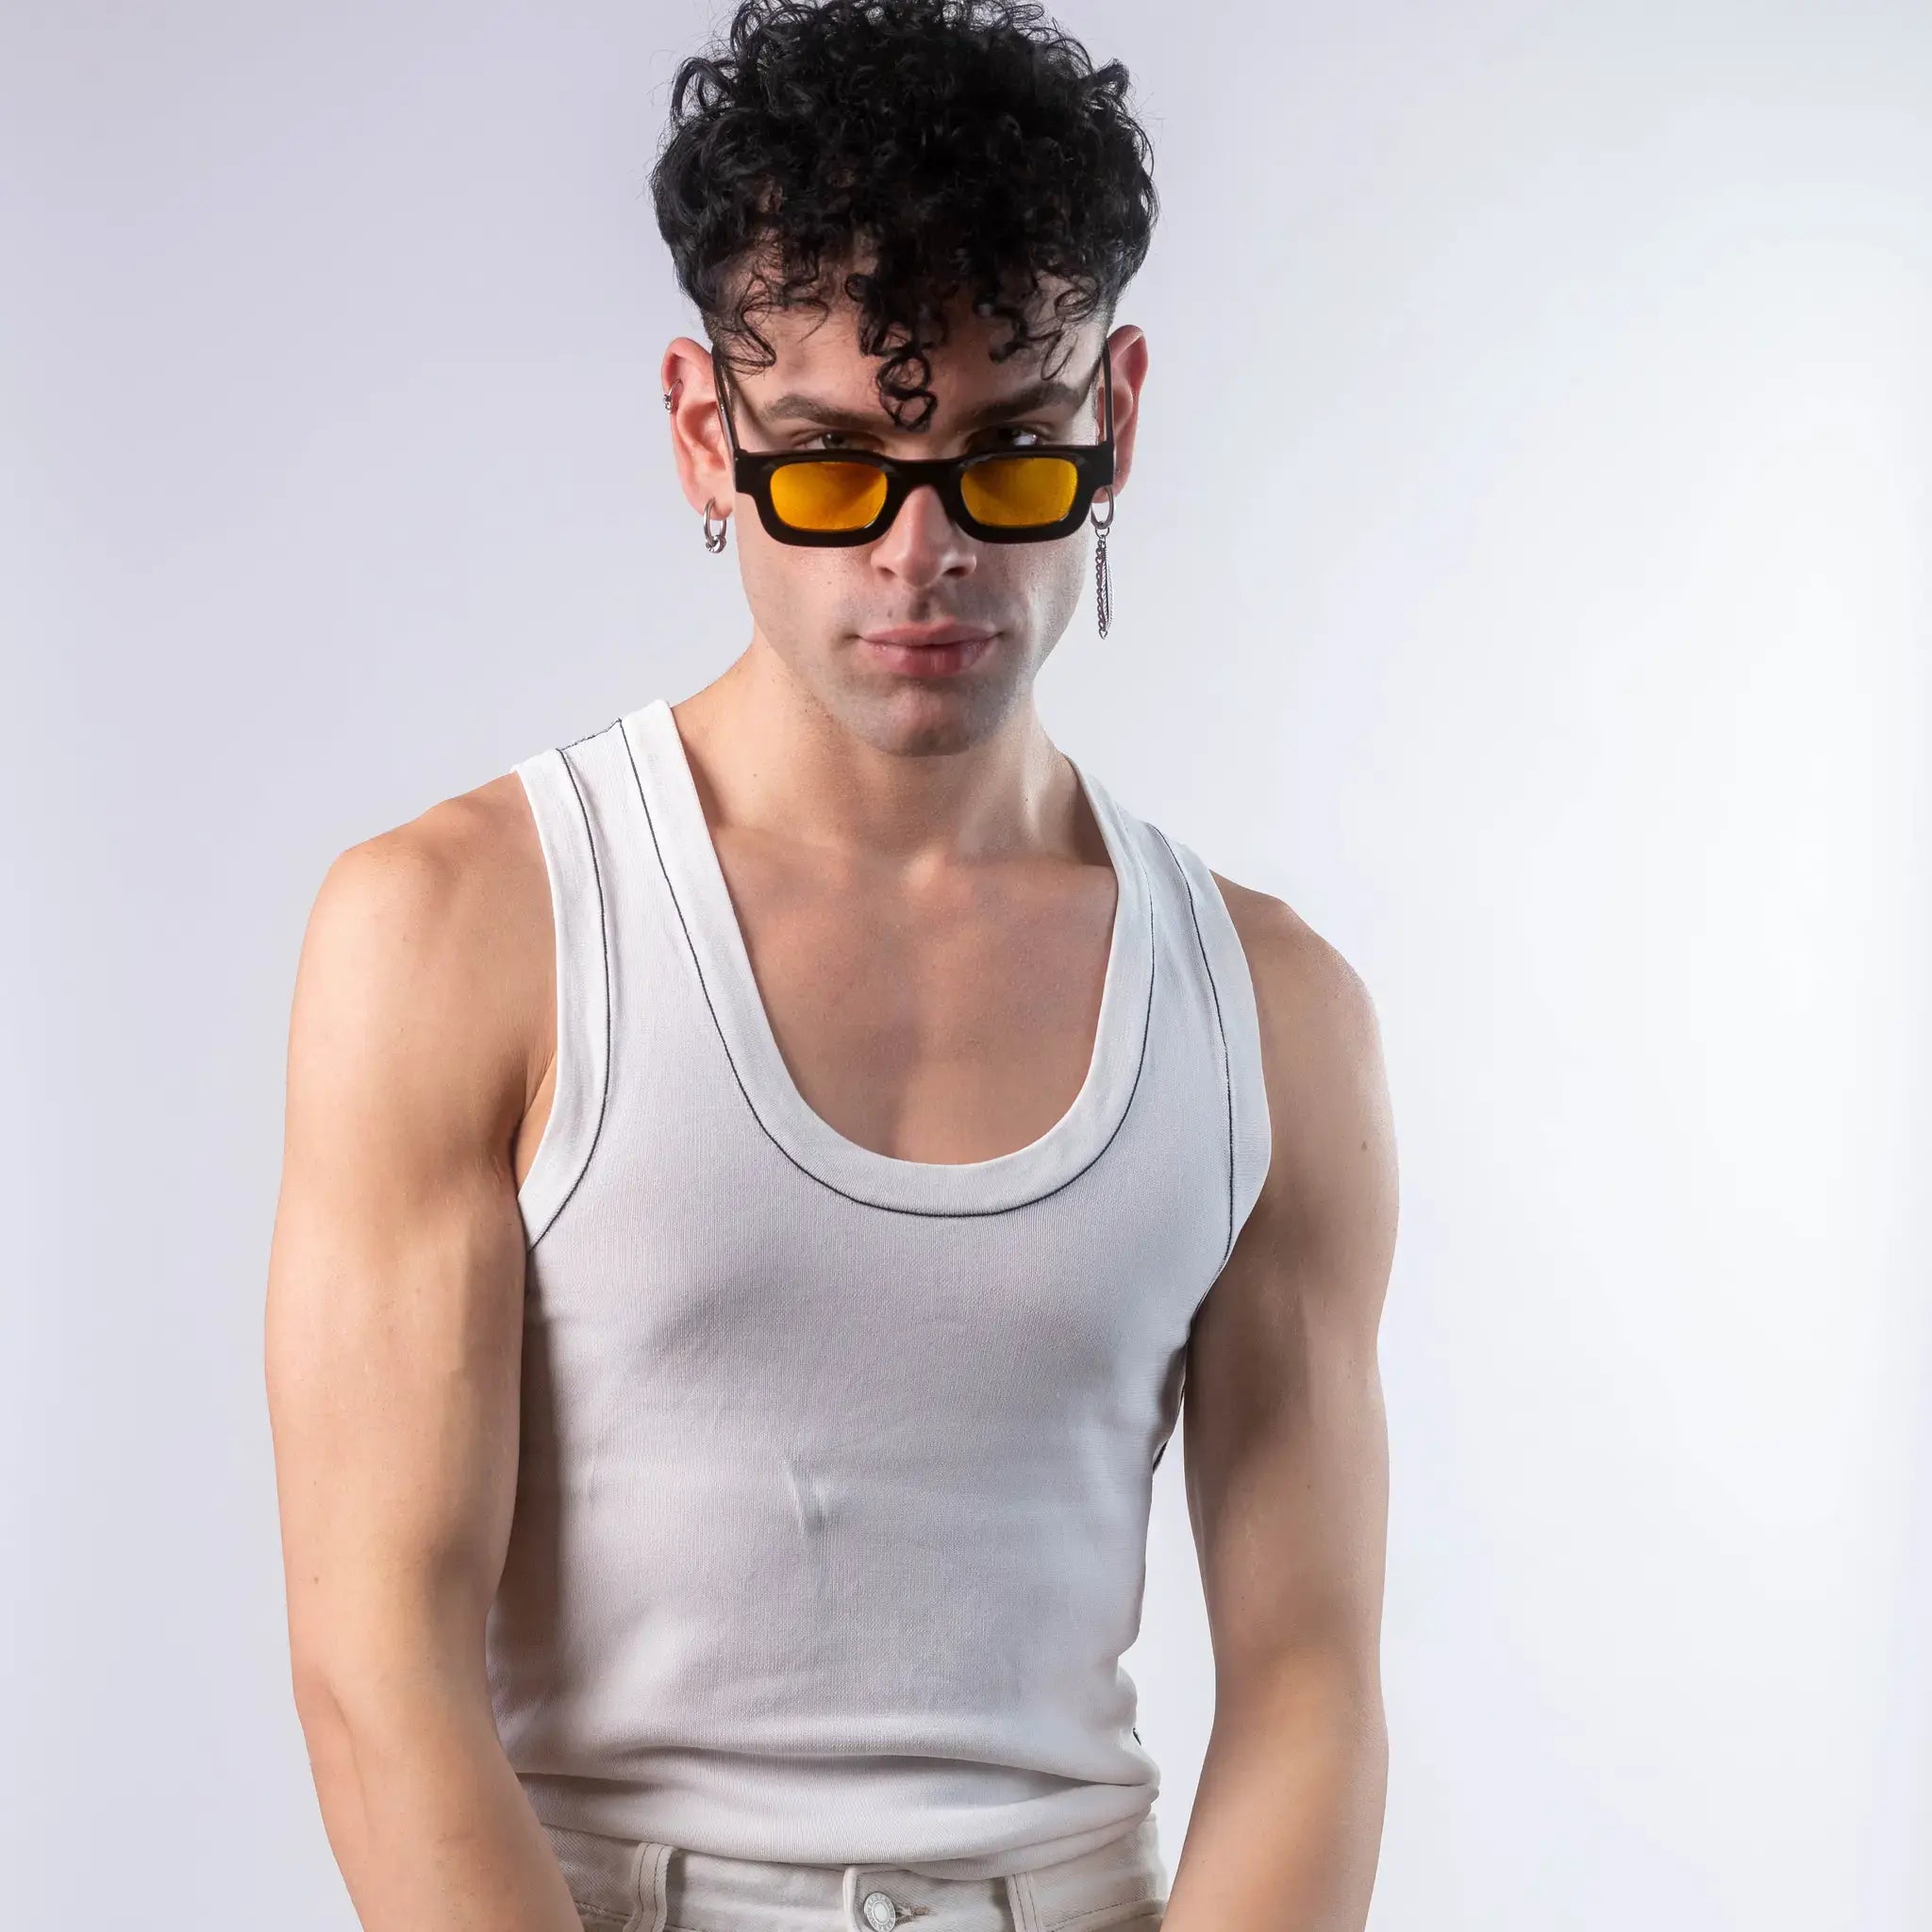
(582, 1075)
(1241, 1016)
(1231, 987)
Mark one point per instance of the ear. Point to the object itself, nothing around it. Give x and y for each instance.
(1127, 349)
(697, 433)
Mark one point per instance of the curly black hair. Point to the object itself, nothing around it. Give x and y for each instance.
(952, 144)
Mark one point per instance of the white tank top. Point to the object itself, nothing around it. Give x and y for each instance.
(832, 1503)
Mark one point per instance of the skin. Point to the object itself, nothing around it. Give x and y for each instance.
(927, 903)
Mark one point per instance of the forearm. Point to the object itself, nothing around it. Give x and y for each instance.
(425, 1815)
(1287, 1825)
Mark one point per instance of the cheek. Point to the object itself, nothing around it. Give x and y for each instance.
(793, 592)
(1061, 579)
(1037, 585)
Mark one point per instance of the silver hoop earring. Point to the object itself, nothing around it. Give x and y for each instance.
(1103, 588)
(714, 539)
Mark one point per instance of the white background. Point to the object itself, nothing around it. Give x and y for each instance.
(1524, 575)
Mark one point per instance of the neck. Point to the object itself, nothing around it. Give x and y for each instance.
(913, 780)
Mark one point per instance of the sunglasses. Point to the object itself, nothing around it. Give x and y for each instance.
(850, 496)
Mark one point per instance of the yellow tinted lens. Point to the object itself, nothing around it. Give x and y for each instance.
(1019, 490)
(827, 496)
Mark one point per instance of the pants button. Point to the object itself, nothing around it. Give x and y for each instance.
(881, 1914)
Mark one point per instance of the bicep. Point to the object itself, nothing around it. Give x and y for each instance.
(394, 1312)
(1283, 1432)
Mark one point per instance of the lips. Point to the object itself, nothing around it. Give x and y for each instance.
(918, 636)
(927, 652)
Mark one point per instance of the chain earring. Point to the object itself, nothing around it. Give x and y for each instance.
(1103, 588)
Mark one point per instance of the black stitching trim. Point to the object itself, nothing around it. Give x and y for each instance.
(604, 944)
(862, 1201)
(1226, 1063)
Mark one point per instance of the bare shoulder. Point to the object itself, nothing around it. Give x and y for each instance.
(1301, 980)
(431, 943)
(1333, 1134)
(461, 885)
(479, 840)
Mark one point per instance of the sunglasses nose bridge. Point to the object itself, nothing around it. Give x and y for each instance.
(919, 496)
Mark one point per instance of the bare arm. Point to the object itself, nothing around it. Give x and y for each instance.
(392, 1355)
(1287, 1470)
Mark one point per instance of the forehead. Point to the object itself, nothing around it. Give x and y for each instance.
(819, 356)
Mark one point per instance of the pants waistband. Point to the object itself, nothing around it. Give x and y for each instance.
(631, 1885)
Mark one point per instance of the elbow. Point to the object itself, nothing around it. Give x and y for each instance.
(385, 1692)
(317, 1706)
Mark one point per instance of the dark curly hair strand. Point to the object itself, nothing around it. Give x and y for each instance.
(951, 144)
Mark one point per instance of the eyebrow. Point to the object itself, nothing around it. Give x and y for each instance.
(795, 405)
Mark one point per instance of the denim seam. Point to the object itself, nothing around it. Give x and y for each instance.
(1120, 1905)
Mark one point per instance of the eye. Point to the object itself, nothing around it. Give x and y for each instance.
(851, 440)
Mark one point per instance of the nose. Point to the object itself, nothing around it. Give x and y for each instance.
(924, 544)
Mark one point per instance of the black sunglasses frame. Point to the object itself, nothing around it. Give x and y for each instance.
(752, 472)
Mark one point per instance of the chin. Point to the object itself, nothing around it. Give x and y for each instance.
(917, 717)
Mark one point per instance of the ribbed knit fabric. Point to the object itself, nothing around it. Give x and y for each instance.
(831, 1514)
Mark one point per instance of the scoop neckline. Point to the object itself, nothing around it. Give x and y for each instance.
(688, 856)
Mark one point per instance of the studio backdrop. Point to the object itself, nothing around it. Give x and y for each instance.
(1524, 575)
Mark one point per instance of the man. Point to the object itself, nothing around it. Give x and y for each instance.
(759, 1178)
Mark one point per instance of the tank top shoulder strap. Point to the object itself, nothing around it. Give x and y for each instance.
(1208, 936)
(562, 792)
